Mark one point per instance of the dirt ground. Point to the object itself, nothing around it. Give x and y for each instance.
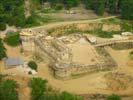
(83, 52)
(79, 86)
(92, 83)
(79, 13)
(123, 60)
(11, 52)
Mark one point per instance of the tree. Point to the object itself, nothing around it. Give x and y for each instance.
(68, 96)
(39, 91)
(100, 7)
(127, 9)
(2, 50)
(32, 65)
(113, 97)
(12, 39)
(12, 12)
(8, 90)
(112, 5)
(38, 87)
(54, 2)
(88, 4)
(71, 3)
(2, 26)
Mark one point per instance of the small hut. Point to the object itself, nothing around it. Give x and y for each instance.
(13, 62)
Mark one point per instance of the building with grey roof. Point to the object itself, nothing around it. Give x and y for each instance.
(11, 62)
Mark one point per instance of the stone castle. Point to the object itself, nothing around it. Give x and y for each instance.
(61, 53)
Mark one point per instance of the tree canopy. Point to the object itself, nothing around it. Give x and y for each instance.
(38, 87)
(12, 12)
(126, 9)
(8, 90)
(113, 97)
(12, 39)
(2, 50)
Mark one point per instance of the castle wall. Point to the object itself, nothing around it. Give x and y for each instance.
(75, 69)
(65, 70)
(127, 45)
(80, 69)
(28, 43)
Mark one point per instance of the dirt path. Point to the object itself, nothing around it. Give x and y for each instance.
(51, 25)
(27, 8)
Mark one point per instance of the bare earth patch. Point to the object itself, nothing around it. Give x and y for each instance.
(92, 83)
(83, 52)
(120, 83)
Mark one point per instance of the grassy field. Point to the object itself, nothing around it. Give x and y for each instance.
(124, 25)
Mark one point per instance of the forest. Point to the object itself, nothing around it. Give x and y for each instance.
(12, 11)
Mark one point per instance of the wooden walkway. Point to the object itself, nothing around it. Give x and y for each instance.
(111, 42)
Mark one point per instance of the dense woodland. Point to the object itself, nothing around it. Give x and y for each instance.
(12, 11)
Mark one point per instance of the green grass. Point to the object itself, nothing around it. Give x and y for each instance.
(45, 19)
(104, 34)
(38, 20)
(112, 21)
(50, 10)
(113, 97)
(96, 32)
(125, 24)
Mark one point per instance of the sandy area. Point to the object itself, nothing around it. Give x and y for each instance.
(122, 59)
(83, 52)
(13, 51)
(88, 84)
(92, 83)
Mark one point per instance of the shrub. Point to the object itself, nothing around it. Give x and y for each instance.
(113, 97)
(104, 34)
(58, 7)
(71, 3)
(32, 65)
(131, 54)
(29, 72)
(12, 39)
(32, 20)
(2, 26)
(2, 50)
(68, 96)
(126, 26)
(40, 91)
